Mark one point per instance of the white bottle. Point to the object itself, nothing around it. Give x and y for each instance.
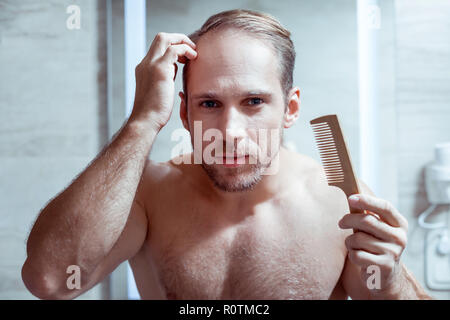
(437, 175)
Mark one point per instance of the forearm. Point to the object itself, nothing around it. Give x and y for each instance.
(406, 288)
(81, 225)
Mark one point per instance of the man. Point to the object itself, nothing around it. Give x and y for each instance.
(233, 228)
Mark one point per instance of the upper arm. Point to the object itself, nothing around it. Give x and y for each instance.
(127, 245)
(135, 231)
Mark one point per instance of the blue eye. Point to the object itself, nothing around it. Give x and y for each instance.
(255, 101)
(208, 104)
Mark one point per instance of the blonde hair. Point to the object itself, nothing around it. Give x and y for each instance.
(260, 25)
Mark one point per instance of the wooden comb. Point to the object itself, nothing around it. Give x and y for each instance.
(334, 155)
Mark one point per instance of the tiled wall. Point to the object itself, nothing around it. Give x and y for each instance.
(52, 116)
(423, 108)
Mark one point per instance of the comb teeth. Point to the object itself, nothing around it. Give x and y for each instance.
(328, 152)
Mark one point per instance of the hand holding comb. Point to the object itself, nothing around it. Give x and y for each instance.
(334, 155)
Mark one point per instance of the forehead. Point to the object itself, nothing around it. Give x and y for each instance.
(230, 61)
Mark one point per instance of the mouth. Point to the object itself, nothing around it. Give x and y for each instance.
(234, 161)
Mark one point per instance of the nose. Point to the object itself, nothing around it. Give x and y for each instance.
(233, 127)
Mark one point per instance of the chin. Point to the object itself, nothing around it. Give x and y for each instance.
(238, 179)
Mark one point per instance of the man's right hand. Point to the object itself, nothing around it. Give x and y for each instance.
(155, 77)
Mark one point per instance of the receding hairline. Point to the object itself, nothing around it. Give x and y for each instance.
(227, 29)
(260, 26)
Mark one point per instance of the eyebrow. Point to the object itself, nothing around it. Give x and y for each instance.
(213, 95)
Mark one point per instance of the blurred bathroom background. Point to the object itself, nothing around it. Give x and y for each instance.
(382, 65)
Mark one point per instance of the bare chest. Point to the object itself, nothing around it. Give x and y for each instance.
(273, 253)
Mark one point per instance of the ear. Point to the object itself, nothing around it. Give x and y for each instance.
(183, 111)
(293, 108)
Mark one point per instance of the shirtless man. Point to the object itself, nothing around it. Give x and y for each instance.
(216, 231)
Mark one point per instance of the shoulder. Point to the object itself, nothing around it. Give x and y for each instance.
(170, 175)
(159, 173)
(155, 178)
(305, 169)
(160, 183)
(312, 176)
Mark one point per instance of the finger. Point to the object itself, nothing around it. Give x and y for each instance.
(174, 52)
(364, 241)
(365, 259)
(163, 40)
(182, 38)
(373, 226)
(381, 207)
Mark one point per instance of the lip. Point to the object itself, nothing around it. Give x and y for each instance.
(231, 162)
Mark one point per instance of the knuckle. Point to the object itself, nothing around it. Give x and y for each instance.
(141, 65)
(352, 255)
(158, 70)
(171, 51)
(357, 237)
(360, 236)
(357, 254)
(358, 257)
(348, 241)
(139, 69)
(401, 239)
(397, 254)
(404, 221)
(344, 219)
(405, 239)
(370, 221)
(387, 206)
(394, 253)
(388, 264)
(160, 36)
